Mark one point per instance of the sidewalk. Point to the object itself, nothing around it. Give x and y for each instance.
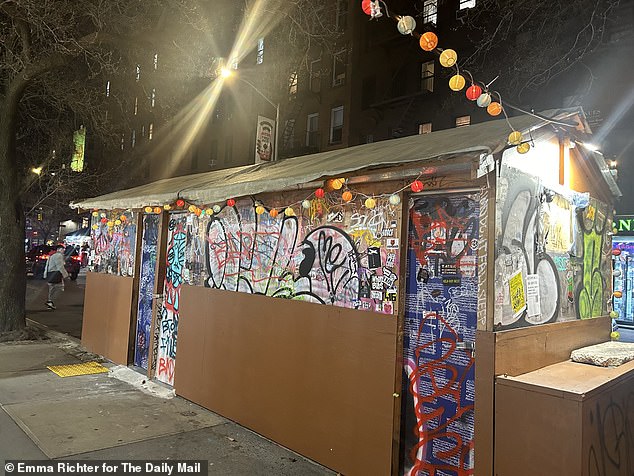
(104, 416)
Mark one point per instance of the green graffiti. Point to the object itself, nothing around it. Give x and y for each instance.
(592, 286)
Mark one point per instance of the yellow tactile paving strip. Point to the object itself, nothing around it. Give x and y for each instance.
(87, 368)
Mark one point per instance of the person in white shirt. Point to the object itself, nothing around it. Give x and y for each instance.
(55, 273)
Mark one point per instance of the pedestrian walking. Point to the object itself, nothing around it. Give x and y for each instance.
(54, 274)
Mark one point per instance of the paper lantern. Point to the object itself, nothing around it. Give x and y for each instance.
(473, 92)
(198, 212)
(615, 335)
(306, 204)
(123, 218)
(104, 220)
(616, 273)
(616, 252)
(95, 214)
(406, 25)
(457, 82)
(157, 210)
(417, 186)
(209, 211)
(394, 199)
(618, 294)
(320, 193)
(103, 215)
(273, 212)
(337, 183)
(515, 138)
(110, 224)
(148, 209)
(117, 222)
(370, 203)
(289, 212)
(94, 227)
(346, 196)
(192, 208)
(428, 41)
(615, 231)
(494, 109)
(260, 209)
(523, 148)
(448, 58)
(366, 7)
(167, 207)
(614, 314)
(231, 202)
(484, 100)
(180, 203)
(216, 208)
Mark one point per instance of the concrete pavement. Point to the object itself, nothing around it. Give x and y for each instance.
(43, 416)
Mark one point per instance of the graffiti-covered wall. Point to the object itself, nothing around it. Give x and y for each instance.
(335, 254)
(114, 243)
(553, 253)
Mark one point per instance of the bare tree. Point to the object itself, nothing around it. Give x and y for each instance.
(54, 55)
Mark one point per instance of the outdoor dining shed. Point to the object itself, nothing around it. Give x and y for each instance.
(356, 305)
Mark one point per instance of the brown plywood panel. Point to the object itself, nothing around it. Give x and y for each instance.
(484, 389)
(107, 316)
(535, 433)
(519, 351)
(317, 379)
(608, 430)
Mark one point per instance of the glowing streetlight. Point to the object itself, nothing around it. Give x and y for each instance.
(227, 73)
(36, 170)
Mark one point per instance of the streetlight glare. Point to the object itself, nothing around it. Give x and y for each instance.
(36, 170)
(226, 72)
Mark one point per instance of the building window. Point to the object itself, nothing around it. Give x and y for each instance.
(312, 130)
(462, 121)
(153, 97)
(150, 131)
(133, 140)
(430, 11)
(466, 4)
(368, 91)
(427, 76)
(315, 78)
(107, 89)
(155, 61)
(259, 59)
(336, 125)
(424, 128)
(339, 68)
(228, 149)
(136, 105)
(342, 14)
(138, 72)
(292, 84)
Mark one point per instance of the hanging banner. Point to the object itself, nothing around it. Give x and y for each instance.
(79, 141)
(264, 140)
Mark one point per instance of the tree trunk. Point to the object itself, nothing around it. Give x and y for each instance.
(13, 281)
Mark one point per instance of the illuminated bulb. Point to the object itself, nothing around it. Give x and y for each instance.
(428, 41)
(448, 58)
(406, 25)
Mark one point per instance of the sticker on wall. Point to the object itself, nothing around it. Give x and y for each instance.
(374, 257)
(391, 243)
(516, 291)
(532, 295)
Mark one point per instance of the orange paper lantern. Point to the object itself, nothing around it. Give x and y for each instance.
(494, 109)
(346, 196)
(428, 41)
(273, 212)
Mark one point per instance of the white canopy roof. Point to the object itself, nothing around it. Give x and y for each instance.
(216, 186)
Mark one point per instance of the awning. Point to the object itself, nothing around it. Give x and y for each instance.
(216, 186)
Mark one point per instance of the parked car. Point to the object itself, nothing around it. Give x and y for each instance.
(37, 257)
